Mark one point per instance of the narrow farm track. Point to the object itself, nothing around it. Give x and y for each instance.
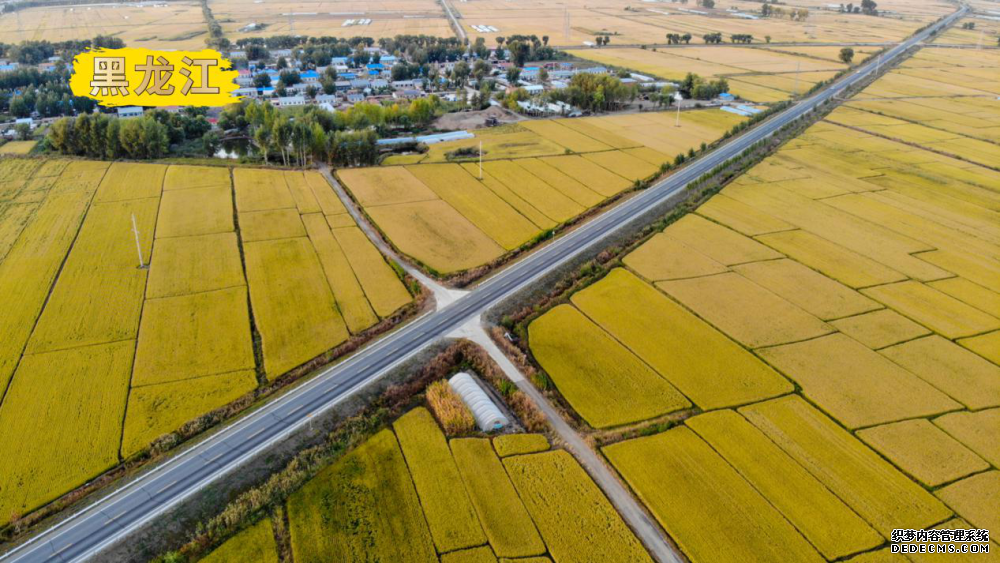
(111, 519)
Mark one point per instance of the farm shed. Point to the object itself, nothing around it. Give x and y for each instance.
(486, 413)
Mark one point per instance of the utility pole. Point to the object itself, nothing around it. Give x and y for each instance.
(138, 247)
(678, 98)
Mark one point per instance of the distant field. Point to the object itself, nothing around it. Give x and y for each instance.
(160, 346)
(311, 17)
(17, 147)
(178, 25)
(572, 22)
(536, 175)
(760, 75)
(834, 313)
(410, 494)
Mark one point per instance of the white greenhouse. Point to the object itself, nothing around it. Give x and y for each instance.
(488, 416)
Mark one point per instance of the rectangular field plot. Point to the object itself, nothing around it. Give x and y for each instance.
(553, 130)
(449, 512)
(185, 265)
(437, 235)
(567, 506)
(193, 336)
(856, 386)
(62, 422)
(382, 287)
(98, 296)
(185, 177)
(294, 309)
(943, 314)
(270, 224)
(371, 484)
(259, 190)
(385, 185)
(196, 211)
(603, 381)
(961, 374)
(735, 305)
(154, 410)
(707, 367)
(505, 521)
(128, 180)
(549, 200)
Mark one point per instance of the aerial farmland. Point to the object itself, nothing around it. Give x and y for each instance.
(504, 281)
(235, 265)
(806, 328)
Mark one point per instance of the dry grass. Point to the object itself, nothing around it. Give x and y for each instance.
(448, 409)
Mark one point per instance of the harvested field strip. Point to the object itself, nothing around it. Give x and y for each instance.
(717, 242)
(506, 522)
(829, 524)
(27, 272)
(567, 506)
(941, 313)
(966, 377)
(477, 203)
(556, 205)
(735, 305)
(450, 514)
(347, 291)
(573, 140)
(293, 306)
(385, 185)
(363, 506)
(192, 336)
(664, 258)
(154, 410)
(522, 206)
(571, 188)
(879, 329)
(129, 180)
(977, 430)
(855, 385)
(260, 189)
(436, 235)
(270, 224)
(587, 127)
(741, 217)
(969, 293)
(62, 422)
(197, 211)
(623, 164)
(813, 292)
(99, 293)
(305, 199)
(706, 366)
(383, 288)
(879, 493)
(986, 345)
(924, 451)
(608, 388)
(835, 261)
(699, 500)
(185, 265)
(594, 176)
(186, 177)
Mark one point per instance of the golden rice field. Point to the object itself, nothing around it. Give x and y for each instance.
(17, 147)
(287, 269)
(449, 216)
(410, 494)
(832, 317)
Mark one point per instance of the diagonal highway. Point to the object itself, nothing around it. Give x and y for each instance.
(111, 518)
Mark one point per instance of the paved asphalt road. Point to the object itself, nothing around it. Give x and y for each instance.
(112, 518)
